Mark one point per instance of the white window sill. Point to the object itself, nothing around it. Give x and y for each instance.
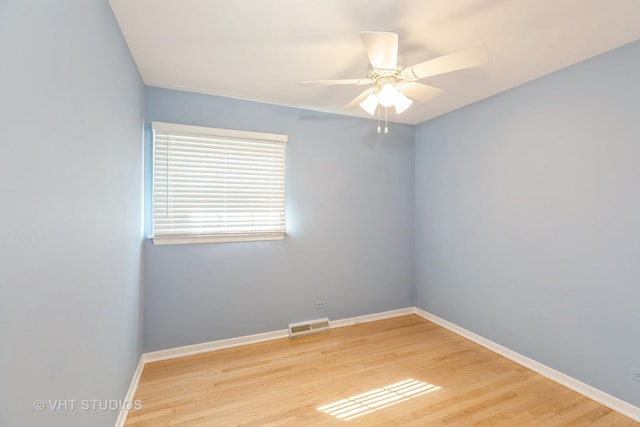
(191, 239)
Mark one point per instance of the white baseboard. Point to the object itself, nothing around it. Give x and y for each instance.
(190, 350)
(586, 390)
(350, 321)
(133, 387)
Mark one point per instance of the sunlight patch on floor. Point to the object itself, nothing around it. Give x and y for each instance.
(374, 400)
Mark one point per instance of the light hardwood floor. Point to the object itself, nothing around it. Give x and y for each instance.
(318, 380)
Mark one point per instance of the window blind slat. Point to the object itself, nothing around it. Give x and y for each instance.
(217, 183)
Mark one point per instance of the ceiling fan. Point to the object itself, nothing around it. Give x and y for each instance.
(397, 86)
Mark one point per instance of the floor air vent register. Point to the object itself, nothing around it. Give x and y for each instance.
(308, 327)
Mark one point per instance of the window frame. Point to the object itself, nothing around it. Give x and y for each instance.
(236, 136)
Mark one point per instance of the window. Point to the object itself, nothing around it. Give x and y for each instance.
(217, 185)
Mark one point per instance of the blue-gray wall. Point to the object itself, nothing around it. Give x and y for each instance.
(528, 220)
(71, 114)
(350, 230)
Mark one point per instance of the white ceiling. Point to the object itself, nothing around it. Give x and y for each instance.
(259, 50)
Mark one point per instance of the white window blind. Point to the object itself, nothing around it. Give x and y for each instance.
(217, 185)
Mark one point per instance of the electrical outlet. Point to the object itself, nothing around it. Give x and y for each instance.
(635, 375)
(320, 304)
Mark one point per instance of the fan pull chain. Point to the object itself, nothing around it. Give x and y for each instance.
(386, 128)
(386, 122)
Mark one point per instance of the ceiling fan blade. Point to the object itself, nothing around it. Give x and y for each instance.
(420, 92)
(447, 63)
(382, 49)
(336, 82)
(358, 99)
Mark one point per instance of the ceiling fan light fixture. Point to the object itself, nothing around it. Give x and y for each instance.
(402, 103)
(395, 85)
(370, 104)
(388, 95)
